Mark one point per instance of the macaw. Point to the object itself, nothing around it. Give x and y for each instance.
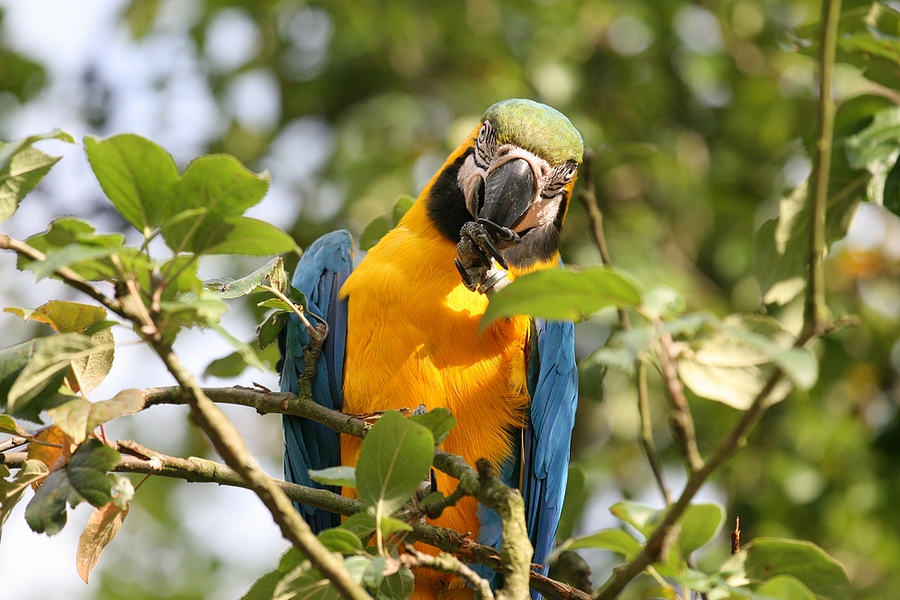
(404, 326)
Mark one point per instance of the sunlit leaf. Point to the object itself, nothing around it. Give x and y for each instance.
(63, 316)
(44, 372)
(699, 524)
(240, 235)
(563, 294)
(11, 492)
(137, 176)
(337, 476)
(362, 524)
(642, 518)
(340, 540)
(395, 458)
(51, 444)
(22, 167)
(440, 421)
(217, 187)
(102, 526)
(877, 149)
(824, 576)
(236, 288)
(9, 425)
(264, 587)
(614, 540)
(397, 586)
(785, 587)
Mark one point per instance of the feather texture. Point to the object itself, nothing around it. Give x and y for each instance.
(321, 272)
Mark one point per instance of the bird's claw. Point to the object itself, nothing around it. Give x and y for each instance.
(481, 244)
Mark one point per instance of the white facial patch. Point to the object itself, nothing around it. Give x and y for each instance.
(542, 211)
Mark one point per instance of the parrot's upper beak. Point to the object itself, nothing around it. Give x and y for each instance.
(508, 193)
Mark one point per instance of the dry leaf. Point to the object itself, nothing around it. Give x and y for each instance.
(102, 526)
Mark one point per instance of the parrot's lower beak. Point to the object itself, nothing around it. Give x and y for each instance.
(508, 193)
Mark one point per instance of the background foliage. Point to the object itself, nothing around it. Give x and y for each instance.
(701, 116)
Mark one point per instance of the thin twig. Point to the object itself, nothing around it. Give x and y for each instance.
(682, 420)
(816, 311)
(647, 430)
(448, 564)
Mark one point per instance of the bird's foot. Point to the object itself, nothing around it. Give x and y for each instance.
(479, 257)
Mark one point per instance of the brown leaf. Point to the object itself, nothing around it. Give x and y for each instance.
(102, 526)
(48, 454)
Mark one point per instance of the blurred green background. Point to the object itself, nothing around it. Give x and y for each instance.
(696, 112)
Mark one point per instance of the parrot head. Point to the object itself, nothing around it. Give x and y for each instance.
(504, 194)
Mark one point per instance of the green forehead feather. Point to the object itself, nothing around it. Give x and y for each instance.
(537, 128)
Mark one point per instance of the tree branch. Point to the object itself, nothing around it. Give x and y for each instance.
(222, 433)
(448, 564)
(682, 421)
(69, 277)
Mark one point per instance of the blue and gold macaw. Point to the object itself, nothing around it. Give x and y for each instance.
(404, 325)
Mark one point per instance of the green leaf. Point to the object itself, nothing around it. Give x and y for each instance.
(397, 586)
(614, 540)
(217, 187)
(338, 476)
(664, 302)
(440, 421)
(240, 235)
(362, 524)
(877, 149)
(379, 226)
(642, 518)
(389, 526)
(125, 402)
(235, 288)
(394, 459)
(340, 540)
(374, 573)
(11, 492)
(374, 231)
(71, 416)
(46, 512)
(563, 294)
(699, 524)
(74, 243)
(785, 587)
(271, 327)
(824, 576)
(733, 364)
(137, 176)
(574, 501)
(264, 587)
(64, 316)
(9, 425)
(22, 167)
(41, 377)
(88, 472)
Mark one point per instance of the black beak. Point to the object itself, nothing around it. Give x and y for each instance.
(508, 193)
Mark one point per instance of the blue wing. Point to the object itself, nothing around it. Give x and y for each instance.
(541, 465)
(321, 272)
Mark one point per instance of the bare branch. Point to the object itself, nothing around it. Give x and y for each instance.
(448, 564)
(682, 421)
